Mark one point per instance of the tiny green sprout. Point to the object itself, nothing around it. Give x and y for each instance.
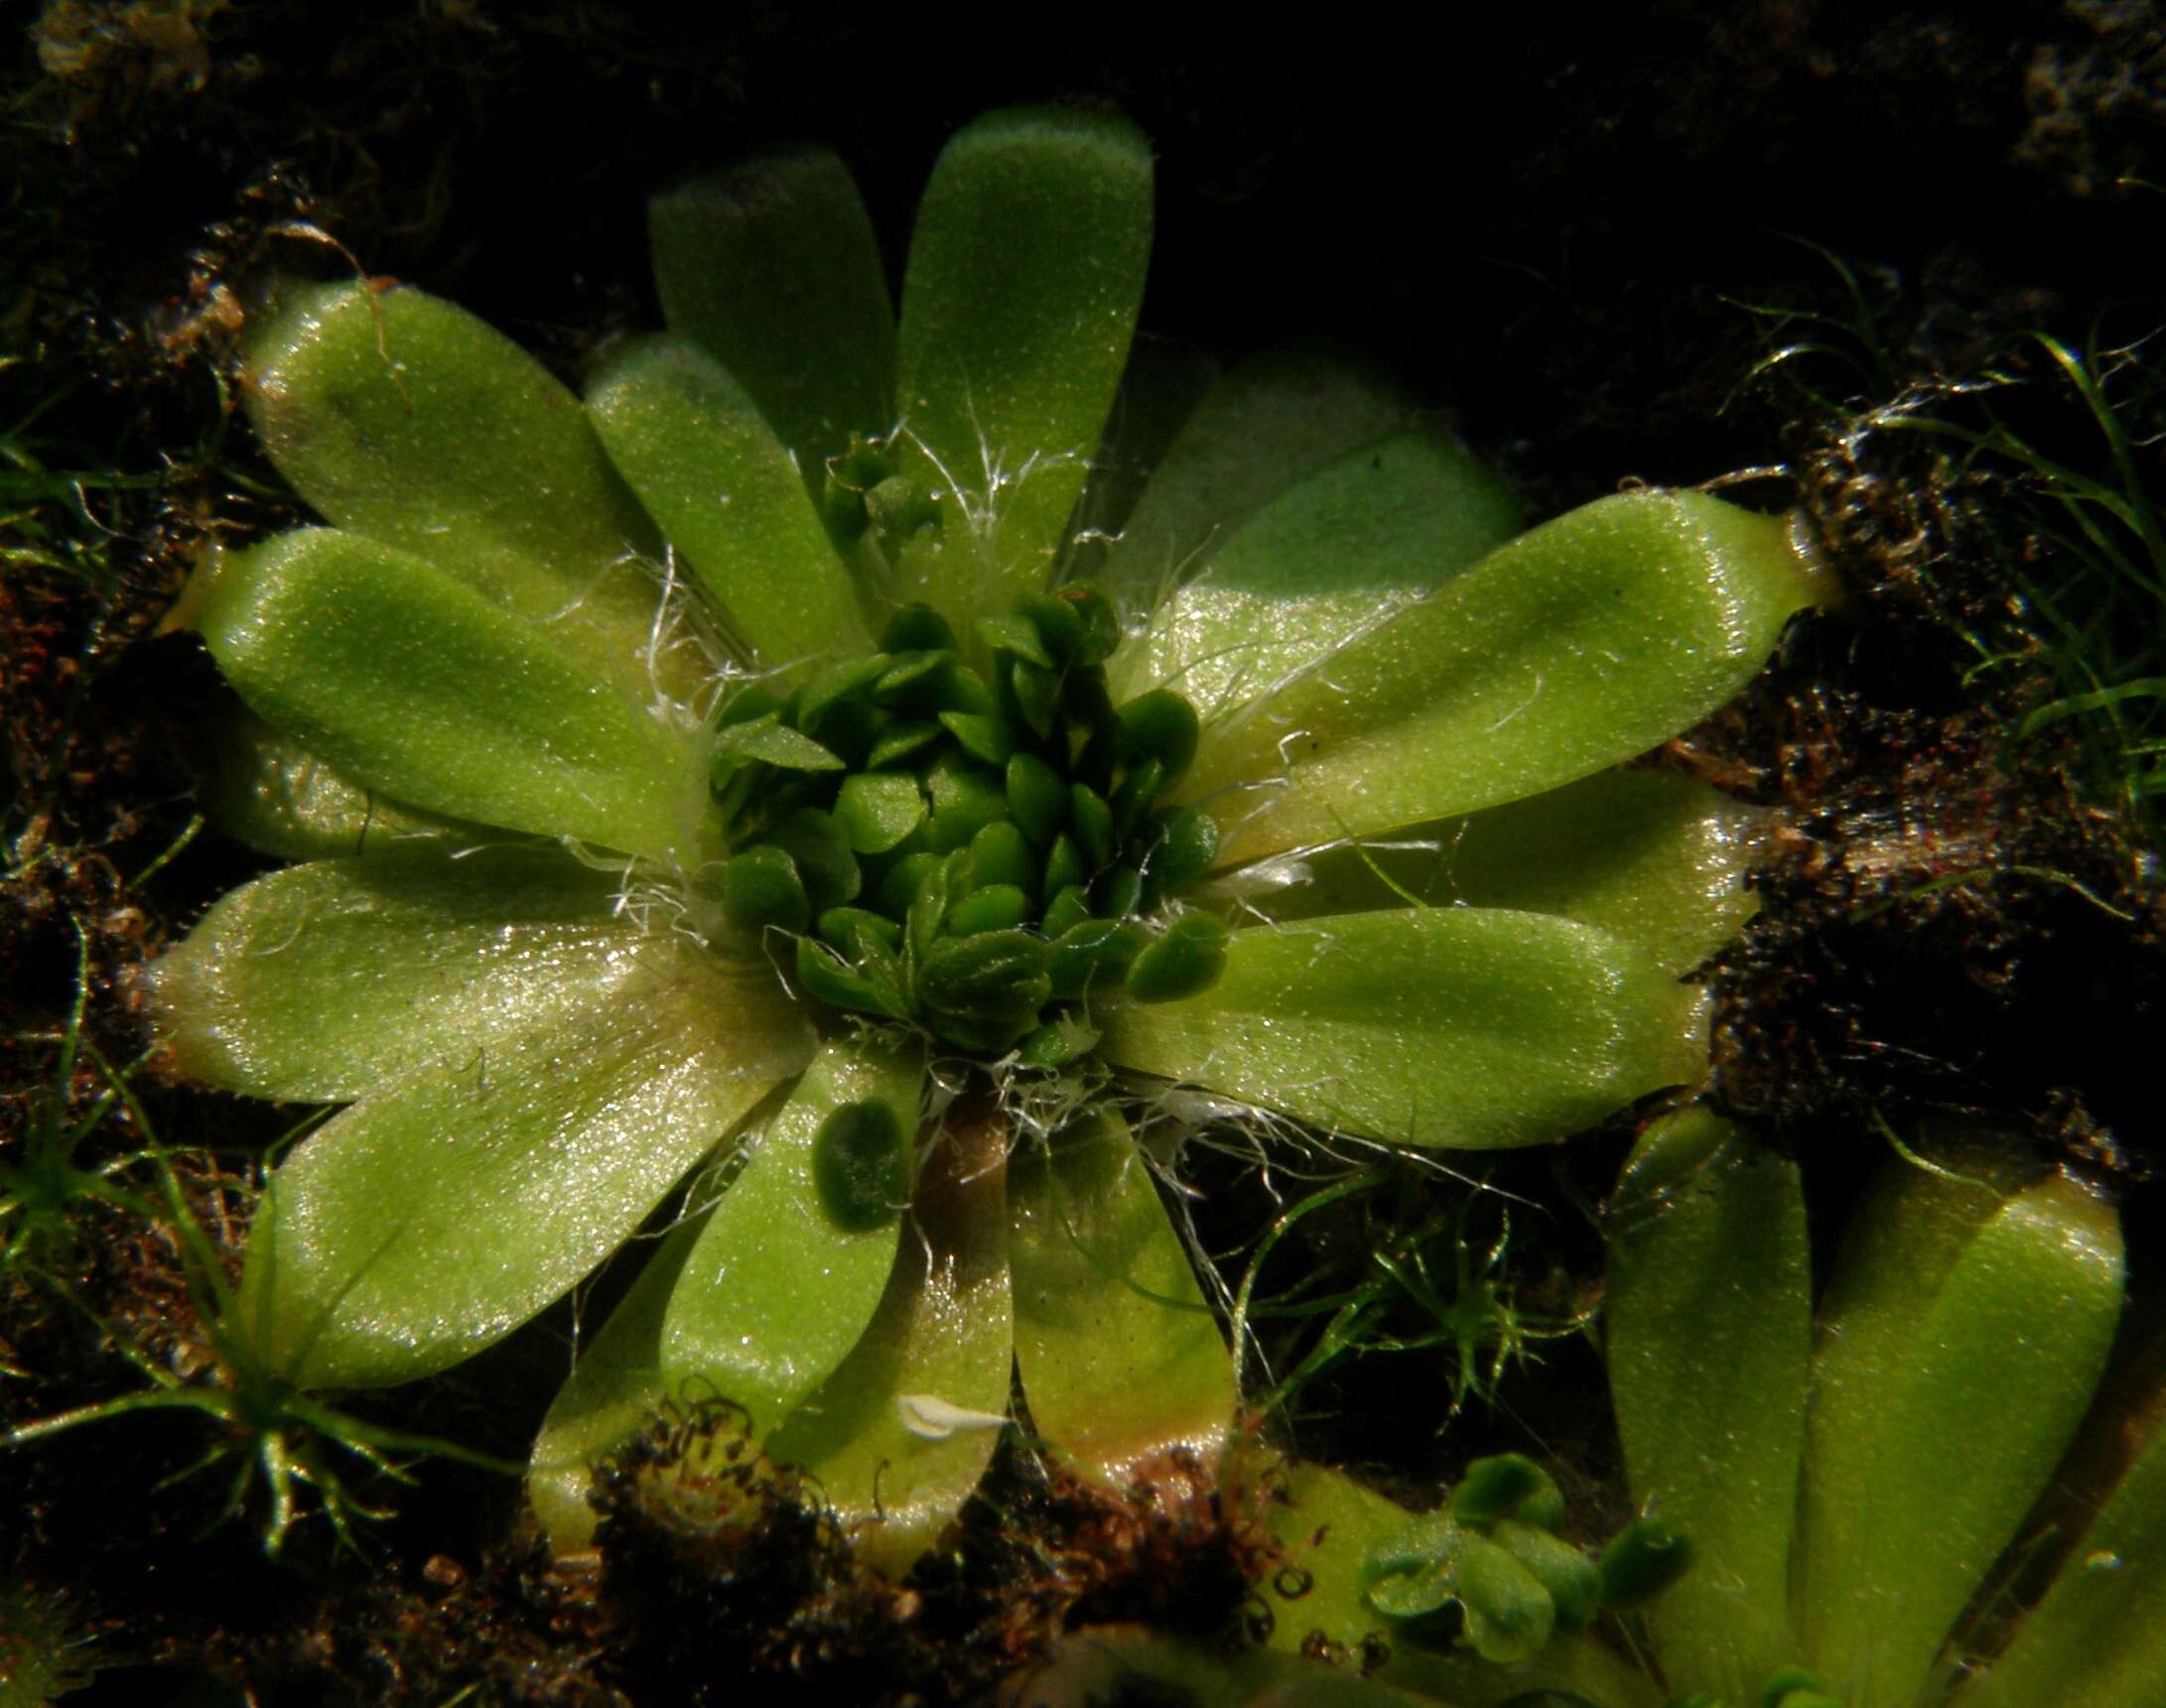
(41, 1659)
(1645, 1558)
(267, 1427)
(763, 734)
(44, 1189)
(1794, 1687)
(1507, 1485)
(1420, 1284)
(1487, 1572)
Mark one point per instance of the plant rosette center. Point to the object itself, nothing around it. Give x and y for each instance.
(972, 859)
(829, 781)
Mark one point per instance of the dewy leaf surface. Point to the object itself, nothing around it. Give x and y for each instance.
(1272, 422)
(269, 791)
(323, 982)
(2016, 1334)
(402, 417)
(1320, 564)
(1579, 644)
(412, 684)
(2099, 1638)
(1458, 1027)
(429, 1221)
(1708, 1302)
(1024, 278)
(1122, 1361)
(883, 1436)
(710, 470)
(772, 268)
(777, 1289)
(1648, 855)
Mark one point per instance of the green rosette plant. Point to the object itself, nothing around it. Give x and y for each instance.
(1886, 1504)
(819, 775)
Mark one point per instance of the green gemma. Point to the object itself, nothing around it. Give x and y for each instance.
(720, 797)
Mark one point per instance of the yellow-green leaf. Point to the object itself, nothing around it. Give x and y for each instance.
(1459, 1027)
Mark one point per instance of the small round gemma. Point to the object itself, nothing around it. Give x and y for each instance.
(1184, 961)
(1161, 725)
(1508, 1486)
(762, 887)
(860, 1166)
(1647, 1557)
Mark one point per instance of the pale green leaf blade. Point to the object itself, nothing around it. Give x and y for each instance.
(1647, 855)
(2099, 1638)
(1896, 1537)
(783, 1281)
(402, 417)
(1024, 278)
(429, 1221)
(1458, 1027)
(614, 1390)
(1123, 1366)
(1579, 644)
(710, 470)
(410, 683)
(269, 791)
(324, 982)
(772, 268)
(897, 1437)
(1709, 1304)
(1273, 420)
(1160, 390)
(1318, 565)
(1326, 1523)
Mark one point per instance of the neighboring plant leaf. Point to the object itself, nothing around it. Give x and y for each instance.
(1999, 1350)
(2099, 1638)
(1709, 1304)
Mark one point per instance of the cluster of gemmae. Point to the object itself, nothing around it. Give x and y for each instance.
(977, 857)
